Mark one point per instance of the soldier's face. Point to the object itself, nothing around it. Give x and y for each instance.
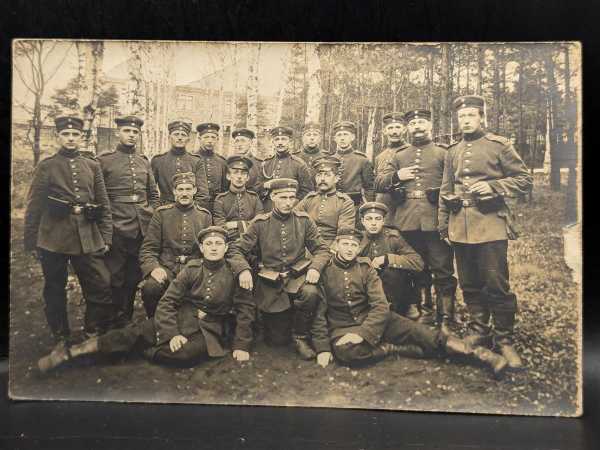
(281, 143)
(394, 131)
(184, 193)
(129, 136)
(344, 139)
(347, 249)
(237, 177)
(469, 119)
(373, 222)
(241, 145)
(69, 139)
(284, 201)
(326, 180)
(208, 140)
(213, 248)
(420, 128)
(179, 139)
(311, 138)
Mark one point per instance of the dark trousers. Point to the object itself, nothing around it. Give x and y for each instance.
(484, 280)
(125, 272)
(399, 331)
(297, 320)
(94, 279)
(398, 287)
(439, 261)
(141, 337)
(152, 292)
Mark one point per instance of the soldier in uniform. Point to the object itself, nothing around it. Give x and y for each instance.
(235, 208)
(170, 240)
(212, 164)
(479, 173)
(286, 291)
(189, 322)
(284, 165)
(356, 172)
(178, 160)
(311, 141)
(394, 260)
(67, 219)
(331, 210)
(133, 196)
(354, 322)
(242, 146)
(413, 177)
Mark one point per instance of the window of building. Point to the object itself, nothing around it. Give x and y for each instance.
(185, 102)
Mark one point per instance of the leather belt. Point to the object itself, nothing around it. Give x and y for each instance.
(416, 194)
(468, 202)
(135, 198)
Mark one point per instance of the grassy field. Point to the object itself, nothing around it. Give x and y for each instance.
(546, 335)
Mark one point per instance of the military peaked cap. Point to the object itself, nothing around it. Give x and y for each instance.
(212, 231)
(207, 127)
(349, 233)
(243, 132)
(239, 162)
(129, 121)
(68, 122)
(373, 207)
(344, 125)
(282, 131)
(393, 117)
(469, 101)
(281, 185)
(417, 114)
(327, 162)
(311, 126)
(183, 178)
(178, 125)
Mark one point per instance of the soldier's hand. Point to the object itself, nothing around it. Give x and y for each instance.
(481, 188)
(377, 262)
(246, 280)
(241, 355)
(177, 342)
(312, 276)
(350, 338)
(324, 358)
(159, 274)
(106, 249)
(407, 173)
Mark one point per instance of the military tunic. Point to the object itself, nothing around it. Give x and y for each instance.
(133, 196)
(254, 174)
(381, 162)
(356, 176)
(287, 166)
(236, 209)
(177, 161)
(355, 302)
(331, 212)
(214, 167)
(70, 236)
(309, 155)
(402, 261)
(195, 305)
(480, 239)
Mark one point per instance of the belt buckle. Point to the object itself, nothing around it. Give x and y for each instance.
(201, 314)
(467, 203)
(419, 194)
(77, 209)
(135, 197)
(182, 259)
(284, 275)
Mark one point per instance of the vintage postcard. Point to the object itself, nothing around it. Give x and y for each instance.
(353, 225)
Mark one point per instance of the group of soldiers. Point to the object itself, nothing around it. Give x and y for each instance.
(325, 250)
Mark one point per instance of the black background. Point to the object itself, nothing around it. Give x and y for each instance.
(96, 425)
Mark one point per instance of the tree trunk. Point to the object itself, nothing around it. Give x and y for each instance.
(37, 129)
(370, 132)
(571, 215)
(444, 90)
(91, 55)
(496, 89)
(555, 134)
(314, 93)
(252, 94)
(480, 67)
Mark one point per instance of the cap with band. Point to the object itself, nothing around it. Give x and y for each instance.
(469, 101)
(344, 125)
(68, 122)
(281, 185)
(239, 162)
(183, 178)
(349, 233)
(129, 121)
(311, 126)
(327, 162)
(282, 131)
(393, 117)
(417, 114)
(212, 231)
(179, 125)
(373, 207)
(207, 127)
(243, 132)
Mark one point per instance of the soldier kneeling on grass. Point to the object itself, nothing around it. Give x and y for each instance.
(354, 322)
(189, 321)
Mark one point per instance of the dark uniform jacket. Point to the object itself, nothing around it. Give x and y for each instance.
(400, 255)
(356, 175)
(354, 302)
(415, 213)
(176, 161)
(131, 189)
(288, 166)
(281, 242)
(233, 210)
(489, 158)
(214, 167)
(211, 288)
(254, 174)
(331, 212)
(170, 240)
(308, 155)
(72, 177)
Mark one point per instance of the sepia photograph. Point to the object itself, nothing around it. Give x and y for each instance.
(390, 226)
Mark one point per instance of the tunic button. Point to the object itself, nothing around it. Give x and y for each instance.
(78, 196)
(72, 160)
(75, 181)
(469, 145)
(418, 184)
(76, 189)
(467, 169)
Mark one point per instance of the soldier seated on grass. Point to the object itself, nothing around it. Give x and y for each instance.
(354, 322)
(189, 321)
